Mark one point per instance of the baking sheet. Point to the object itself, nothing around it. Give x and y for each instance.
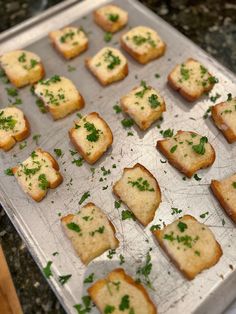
(39, 223)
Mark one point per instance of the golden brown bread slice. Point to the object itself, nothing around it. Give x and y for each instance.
(14, 127)
(139, 190)
(59, 95)
(187, 151)
(90, 232)
(143, 44)
(225, 192)
(224, 116)
(22, 67)
(91, 137)
(118, 293)
(37, 174)
(111, 18)
(190, 244)
(143, 104)
(191, 79)
(108, 65)
(70, 41)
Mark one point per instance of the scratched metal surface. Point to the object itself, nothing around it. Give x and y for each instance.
(39, 224)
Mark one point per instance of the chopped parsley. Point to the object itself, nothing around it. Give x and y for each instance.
(117, 204)
(105, 171)
(47, 269)
(11, 91)
(84, 197)
(167, 133)
(113, 17)
(141, 93)
(140, 40)
(234, 185)
(23, 145)
(9, 172)
(78, 162)
(112, 60)
(141, 185)
(186, 240)
(175, 211)
(7, 123)
(200, 149)
(54, 79)
(74, 226)
(70, 68)
(58, 152)
(145, 270)
(184, 72)
(126, 214)
(182, 226)
(153, 101)
(173, 149)
(117, 109)
(93, 135)
(197, 178)
(107, 37)
(68, 36)
(63, 279)
(40, 105)
(124, 304)
(22, 57)
(214, 98)
(204, 215)
(43, 182)
(203, 70)
(213, 80)
(99, 230)
(157, 75)
(111, 253)
(229, 97)
(155, 227)
(127, 123)
(36, 138)
(85, 307)
(122, 259)
(89, 279)
(206, 114)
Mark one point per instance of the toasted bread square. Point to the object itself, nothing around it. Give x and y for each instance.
(91, 137)
(90, 232)
(111, 18)
(139, 190)
(143, 104)
(70, 41)
(191, 79)
(224, 116)
(225, 192)
(22, 67)
(37, 174)
(187, 151)
(118, 288)
(59, 95)
(108, 65)
(143, 44)
(190, 244)
(14, 127)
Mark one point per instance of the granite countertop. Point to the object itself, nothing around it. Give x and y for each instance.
(211, 24)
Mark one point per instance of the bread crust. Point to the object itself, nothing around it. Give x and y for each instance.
(216, 189)
(189, 97)
(91, 159)
(94, 289)
(120, 76)
(157, 187)
(175, 163)
(13, 139)
(52, 185)
(107, 25)
(68, 218)
(219, 122)
(143, 58)
(190, 275)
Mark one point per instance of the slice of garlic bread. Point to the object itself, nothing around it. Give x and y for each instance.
(14, 127)
(22, 67)
(191, 79)
(187, 151)
(144, 105)
(59, 95)
(90, 232)
(139, 190)
(70, 41)
(224, 116)
(190, 244)
(111, 18)
(225, 192)
(143, 44)
(91, 136)
(37, 174)
(108, 65)
(118, 293)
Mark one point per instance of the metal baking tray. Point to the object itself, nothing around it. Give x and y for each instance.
(39, 223)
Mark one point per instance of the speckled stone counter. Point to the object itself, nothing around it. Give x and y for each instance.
(211, 24)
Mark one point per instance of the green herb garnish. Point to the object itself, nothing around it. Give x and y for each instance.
(153, 101)
(84, 197)
(43, 182)
(200, 149)
(93, 135)
(127, 123)
(141, 185)
(63, 279)
(182, 226)
(74, 226)
(107, 37)
(89, 279)
(124, 304)
(126, 214)
(47, 270)
(9, 172)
